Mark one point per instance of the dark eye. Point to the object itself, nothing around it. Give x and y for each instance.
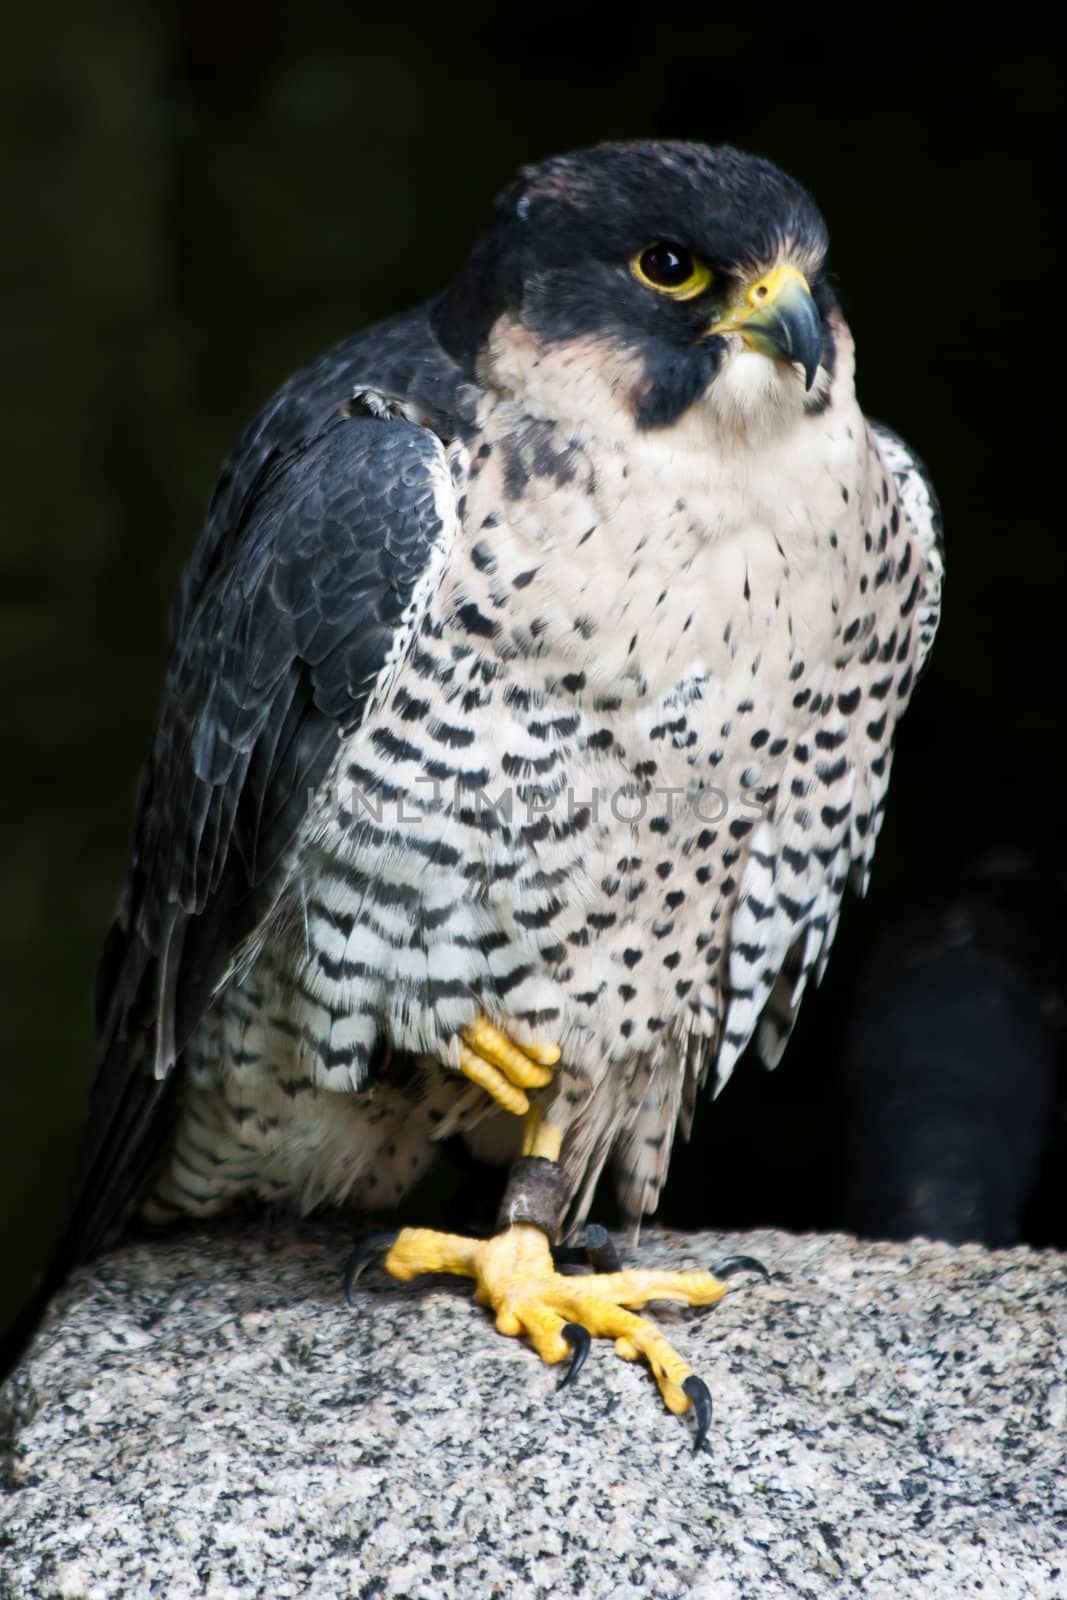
(668, 266)
(672, 269)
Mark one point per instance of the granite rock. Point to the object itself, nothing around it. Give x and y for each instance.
(205, 1417)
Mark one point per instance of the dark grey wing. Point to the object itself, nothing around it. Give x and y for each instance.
(400, 359)
(281, 641)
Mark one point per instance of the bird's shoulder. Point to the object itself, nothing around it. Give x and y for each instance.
(396, 369)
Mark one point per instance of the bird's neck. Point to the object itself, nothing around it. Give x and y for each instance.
(639, 562)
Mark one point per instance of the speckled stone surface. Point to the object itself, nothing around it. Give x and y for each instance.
(207, 1418)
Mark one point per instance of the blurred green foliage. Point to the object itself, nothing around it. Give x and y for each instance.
(199, 196)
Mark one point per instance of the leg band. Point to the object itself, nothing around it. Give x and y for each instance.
(536, 1193)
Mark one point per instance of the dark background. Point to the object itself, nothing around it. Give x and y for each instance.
(198, 197)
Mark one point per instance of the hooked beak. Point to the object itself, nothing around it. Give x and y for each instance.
(777, 316)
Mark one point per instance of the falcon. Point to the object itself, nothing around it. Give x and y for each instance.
(530, 703)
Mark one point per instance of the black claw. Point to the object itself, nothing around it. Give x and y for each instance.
(731, 1264)
(699, 1394)
(579, 1339)
(373, 1244)
(596, 1250)
(568, 1255)
(600, 1250)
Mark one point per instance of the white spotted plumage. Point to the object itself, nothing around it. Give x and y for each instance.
(679, 657)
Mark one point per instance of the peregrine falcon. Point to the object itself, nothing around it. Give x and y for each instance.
(530, 701)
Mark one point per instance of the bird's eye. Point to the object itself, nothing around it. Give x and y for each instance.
(671, 269)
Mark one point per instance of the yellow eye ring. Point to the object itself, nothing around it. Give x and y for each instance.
(671, 269)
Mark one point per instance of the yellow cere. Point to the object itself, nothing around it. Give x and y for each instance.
(766, 290)
(759, 296)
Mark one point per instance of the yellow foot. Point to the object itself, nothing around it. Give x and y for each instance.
(503, 1069)
(517, 1280)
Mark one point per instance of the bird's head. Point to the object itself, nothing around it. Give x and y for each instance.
(649, 279)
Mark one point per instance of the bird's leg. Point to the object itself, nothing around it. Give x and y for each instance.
(559, 1313)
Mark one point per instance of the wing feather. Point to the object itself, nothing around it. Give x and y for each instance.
(280, 641)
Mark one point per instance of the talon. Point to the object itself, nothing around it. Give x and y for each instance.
(493, 1081)
(515, 1278)
(503, 1069)
(597, 1250)
(600, 1249)
(731, 1264)
(579, 1339)
(699, 1395)
(569, 1255)
(361, 1255)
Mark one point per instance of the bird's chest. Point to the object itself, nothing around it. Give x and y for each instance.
(626, 823)
(637, 564)
(556, 794)
(602, 709)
